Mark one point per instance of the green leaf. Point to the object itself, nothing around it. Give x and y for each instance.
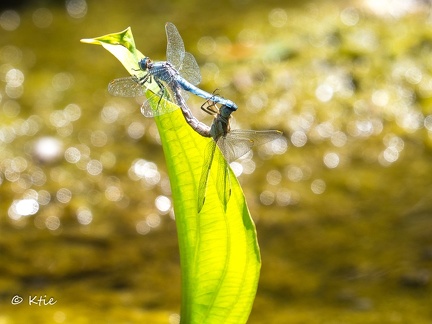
(220, 259)
(122, 46)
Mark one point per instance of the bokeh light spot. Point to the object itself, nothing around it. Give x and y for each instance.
(278, 17)
(318, 186)
(142, 169)
(98, 138)
(324, 92)
(10, 20)
(84, 216)
(113, 193)
(110, 114)
(94, 167)
(44, 197)
(72, 155)
(153, 220)
(142, 227)
(267, 197)
(274, 177)
(163, 204)
(206, 45)
(52, 223)
(76, 8)
(294, 173)
(298, 138)
(62, 81)
(136, 130)
(48, 149)
(23, 207)
(350, 16)
(42, 18)
(64, 195)
(331, 160)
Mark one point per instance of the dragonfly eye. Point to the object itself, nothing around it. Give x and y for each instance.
(144, 63)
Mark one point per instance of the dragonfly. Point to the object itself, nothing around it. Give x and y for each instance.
(233, 145)
(180, 71)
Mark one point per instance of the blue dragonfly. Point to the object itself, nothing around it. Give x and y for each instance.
(180, 72)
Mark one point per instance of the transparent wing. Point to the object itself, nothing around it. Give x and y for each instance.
(182, 61)
(232, 148)
(223, 181)
(158, 103)
(190, 69)
(174, 86)
(126, 87)
(184, 94)
(238, 142)
(175, 47)
(208, 160)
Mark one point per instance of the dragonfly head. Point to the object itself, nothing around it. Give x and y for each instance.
(145, 63)
(225, 112)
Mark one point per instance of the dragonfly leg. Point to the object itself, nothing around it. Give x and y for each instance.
(161, 91)
(210, 106)
(210, 109)
(148, 77)
(214, 93)
(144, 79)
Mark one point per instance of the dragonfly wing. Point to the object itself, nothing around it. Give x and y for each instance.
(258, 137)
(223, 181)
(190, 69)
(158, 104)
(175, 47)
(232, 148)
(238, 142)
(126, 87)
(174, 86)
(205, 172)
(184, 94)
(147, 107)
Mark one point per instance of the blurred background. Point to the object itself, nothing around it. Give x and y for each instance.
(343, 205)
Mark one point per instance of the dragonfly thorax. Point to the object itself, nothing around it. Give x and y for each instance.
(220, 127)
(145, 63)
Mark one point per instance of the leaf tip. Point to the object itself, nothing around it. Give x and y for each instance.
(89, 41)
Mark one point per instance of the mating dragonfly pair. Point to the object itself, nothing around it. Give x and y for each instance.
(175, 79)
